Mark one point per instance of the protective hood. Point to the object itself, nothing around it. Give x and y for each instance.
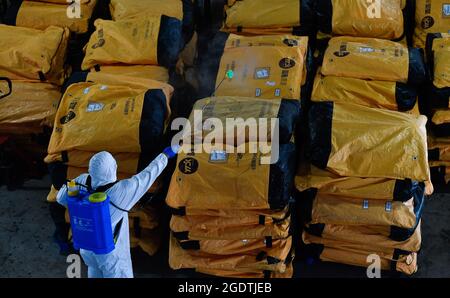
(103, 169)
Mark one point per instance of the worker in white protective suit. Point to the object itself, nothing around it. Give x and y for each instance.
(124, 195)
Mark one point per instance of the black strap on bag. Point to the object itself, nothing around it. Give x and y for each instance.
(7, 80)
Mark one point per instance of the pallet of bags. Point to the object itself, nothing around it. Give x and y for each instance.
(231, 211)
(357, 192)
(271, 66)
(438, 105)
(391, 20)
(267, 18)
(353, 246)
(432, 16)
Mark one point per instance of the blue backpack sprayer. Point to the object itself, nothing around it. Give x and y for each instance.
(90, 218)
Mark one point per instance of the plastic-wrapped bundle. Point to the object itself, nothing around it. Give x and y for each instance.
(148, 79)
(432, 16)
(373, 59)
(369, 236)
(356, 254)
(361, 150)
(222, 107)
(438, 149)
(342, 210)
(441, 123)
(145, 40)
(356, 18)
(355, 187)
(182, 10)
(289, 272)
(271, 66)
(41, 15)
(274, 17)
(438, 53)
(255, 260)
(250, 184)
(229, 228)
(33, 54)
(93, 117)
(231, 213)
(276, 248)
(393, 96)
(29, 108)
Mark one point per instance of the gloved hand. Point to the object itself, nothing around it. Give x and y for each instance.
(171, 151)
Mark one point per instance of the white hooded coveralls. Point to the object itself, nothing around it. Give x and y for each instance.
(124, 194)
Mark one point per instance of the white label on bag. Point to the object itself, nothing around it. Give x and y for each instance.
(366, 50)
(446, 10)
(94, 107)
(218, 156)
(388, 207)
(366, 204)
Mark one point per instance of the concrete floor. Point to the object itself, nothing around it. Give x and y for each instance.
(27, 250)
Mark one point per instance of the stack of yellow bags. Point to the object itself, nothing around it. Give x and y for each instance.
(438, 96)
(363, 186)
(231, 211)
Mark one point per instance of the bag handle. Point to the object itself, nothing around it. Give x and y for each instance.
(9, 86)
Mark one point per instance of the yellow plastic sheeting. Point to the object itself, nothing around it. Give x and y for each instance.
(199, 183)
(441, 117)
(127, 41)
(135, 81)
(126, 162)
(351, 254)
(26, 53)
(331, 209)
(157, 73)
(367, 142)
(41, 15)
(115, 110)
(432, 16)
(229, 228)
(352, 187)
(441, 48)
(273, 14)
(223, 107)
(121, 9)
(279, 249)
(233, 213)
(373, 94)
(351, 18)
(365, 236)
(180, 258)
(248, 274)
(279, 40)
(264, 71)
(366, 58)
(29, 107)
